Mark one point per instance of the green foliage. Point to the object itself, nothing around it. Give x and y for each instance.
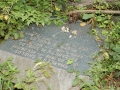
(16, 14)
(87, 16)
(117, 5)
(7, 72)
(44, 69)
(105, 70)
(101, 5)
(70, 61)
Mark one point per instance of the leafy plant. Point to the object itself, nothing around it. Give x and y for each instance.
(105, 70)
(44, 69)
(7, 75)
(16, 14)
(8, 72)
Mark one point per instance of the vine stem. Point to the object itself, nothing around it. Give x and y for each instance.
(92, 11)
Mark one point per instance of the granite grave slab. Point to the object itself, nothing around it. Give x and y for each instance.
(51, 44)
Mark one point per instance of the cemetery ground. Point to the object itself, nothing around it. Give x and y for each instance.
(82, 53)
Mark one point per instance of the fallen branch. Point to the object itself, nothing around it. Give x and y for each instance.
(93, 11)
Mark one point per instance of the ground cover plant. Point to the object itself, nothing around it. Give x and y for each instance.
(9, 80)
(16, 14)
(105, 70)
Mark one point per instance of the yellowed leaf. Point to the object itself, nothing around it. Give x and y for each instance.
(6, 17)
(56, 7)
(1, 16)
(82, 24)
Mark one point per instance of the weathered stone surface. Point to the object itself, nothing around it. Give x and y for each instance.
(61, 80)
(53, 45)
(56, 46)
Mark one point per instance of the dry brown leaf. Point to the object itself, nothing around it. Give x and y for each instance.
(82, 24)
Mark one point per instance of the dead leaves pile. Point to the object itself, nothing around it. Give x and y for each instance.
(66, 30)
(73, 32)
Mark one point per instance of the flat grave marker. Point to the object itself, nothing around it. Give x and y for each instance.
(50, 44)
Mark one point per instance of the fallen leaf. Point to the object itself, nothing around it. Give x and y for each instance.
(82, 24)
(65, 29)
(74, 32)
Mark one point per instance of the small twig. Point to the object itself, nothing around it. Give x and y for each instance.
(92, 11)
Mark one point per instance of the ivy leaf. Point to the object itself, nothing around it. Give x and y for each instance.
(70, 61)
(75, 81)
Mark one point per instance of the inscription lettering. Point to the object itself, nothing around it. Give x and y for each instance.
(47, 50)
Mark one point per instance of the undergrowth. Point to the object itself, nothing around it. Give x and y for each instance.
(16, 14)
(105, 70)
(9, 73)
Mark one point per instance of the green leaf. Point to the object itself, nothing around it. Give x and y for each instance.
(106, 22)
(104, 32)
(16, 35)
(31, 79)
(10, 58)
(24, 17)
(71, 71)
(75, 81)
(99, 18)
(117, 49)
(16, 7)
(42, 23)
(2, 33)
(117, 75)
(29, 73)
(19, 86)
(28, 22)
(77, 73)
(70, 61)
(21, 34)
(82, 85)
(7, 36)
(87, 16)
